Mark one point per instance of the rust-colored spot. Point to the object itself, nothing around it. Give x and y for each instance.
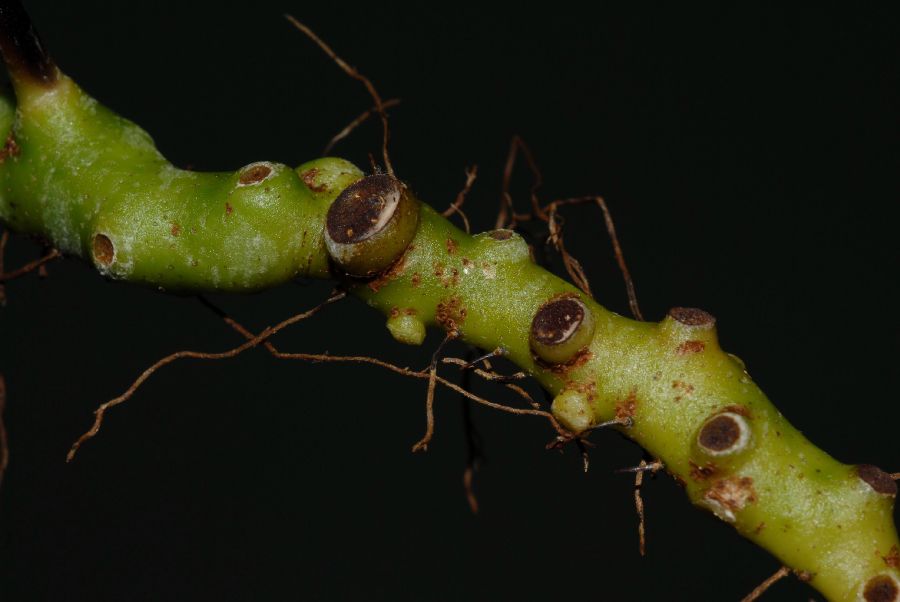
(739, 410)
(10, 149)
(363, 208)
(881, 588)
(583, 356)
(877, 479)
(702, 473)
(228, 209)
(395, 311)
(452, 246)
(104, 251)
(254, 174)
(804, 576)
(392, 273)
(691, 316)
(176, 229)
(501, 234)
(683, 387)
(720, 434)
(416, 280)
(759, 528)
(410, 311)
(450, 313)
(309, 178)
(690, 347)
(451, 278)
(893, 558)
(557, 320)
(627, 407)
(732, 493)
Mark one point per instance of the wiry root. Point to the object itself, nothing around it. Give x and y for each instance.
(380, 105)
(639, 471)
(549, 213)
(576, 272)
(4, 447)
(360, 119)
(252, 342)
(456, 205)
(765, 585)
(474, 447)
(37, 264)
(408, 372)
(507, 216)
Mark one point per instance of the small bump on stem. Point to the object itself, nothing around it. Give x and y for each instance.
(691, 316)
(255, 173)
(370, 225)
(560, 329)
(104, 250)
(724, 434)
(877, 479)
(881, 588)
(501, 234)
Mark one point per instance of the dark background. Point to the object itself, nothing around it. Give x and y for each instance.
(750, 158)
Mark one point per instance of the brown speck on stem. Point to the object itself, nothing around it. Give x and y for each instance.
(309, 178)
(452, 246)
(691, 316)
(501, 234)
(690, 347)
(176, 229)
(877, 479)
(892, 559)
(254, 174)
(881, 588)
(228, 209)
(10, 149)
(104, 251)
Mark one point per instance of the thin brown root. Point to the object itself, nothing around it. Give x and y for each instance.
(765, 585)
(490, 375)
(468, 485)
(573, 265)
(456, 205)
(29, 267)
(352, 72)
(4, 447)
(422, 444)
(408, 372)
(360, 119)
(506, 215)
(474, 447)
(642, 469)
(100, 412)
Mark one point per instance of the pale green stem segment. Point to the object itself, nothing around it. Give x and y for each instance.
(93, 185)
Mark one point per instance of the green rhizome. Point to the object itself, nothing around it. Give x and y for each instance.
(93, 185)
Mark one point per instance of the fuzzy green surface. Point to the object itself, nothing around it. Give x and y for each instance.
(81, 171)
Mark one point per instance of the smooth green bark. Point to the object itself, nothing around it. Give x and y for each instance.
(73, 171)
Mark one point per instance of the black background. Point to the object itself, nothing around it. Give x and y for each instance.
(750, 159)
